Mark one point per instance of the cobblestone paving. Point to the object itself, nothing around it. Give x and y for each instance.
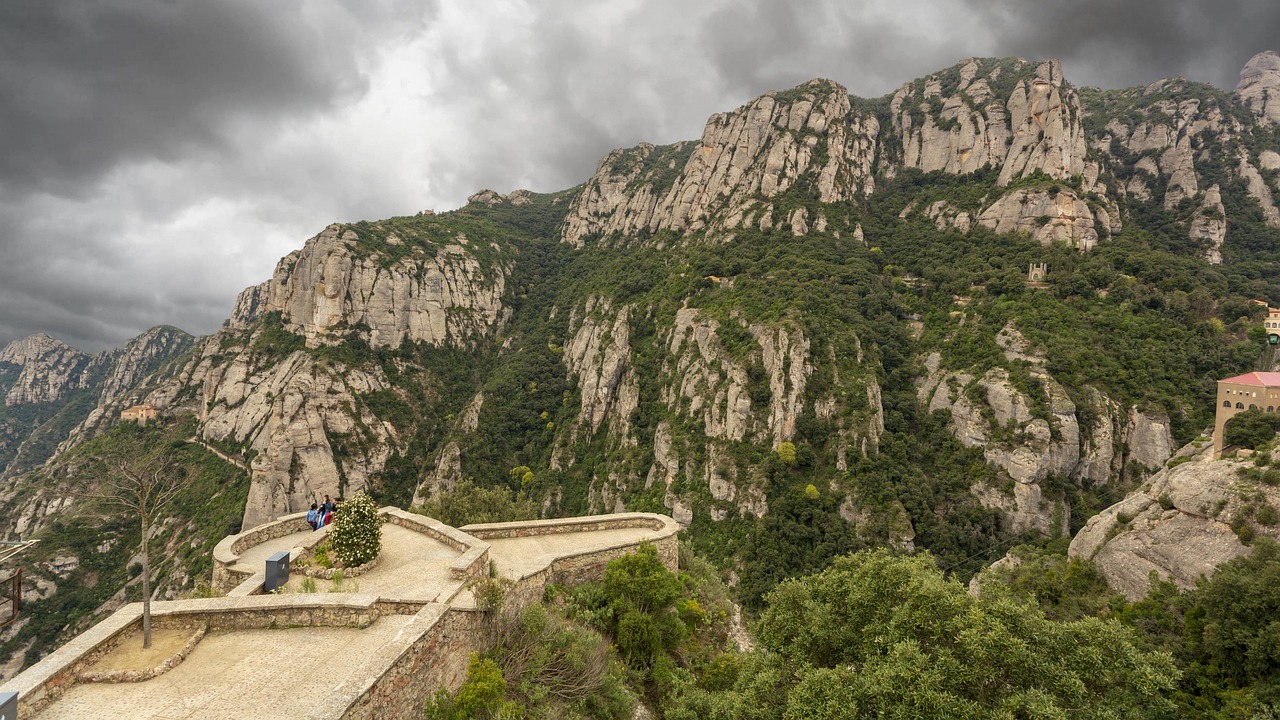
(262, 674)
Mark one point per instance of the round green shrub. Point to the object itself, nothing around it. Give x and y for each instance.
(1251, 428)
(356, 537)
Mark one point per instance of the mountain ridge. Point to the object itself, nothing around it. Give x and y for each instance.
(845, 277)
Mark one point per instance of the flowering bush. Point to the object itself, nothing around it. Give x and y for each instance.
(356, 537)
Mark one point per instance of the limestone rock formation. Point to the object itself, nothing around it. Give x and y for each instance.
(1259, 86)
(49, 370)
(761, 149)
(962, 128)
(1259, 190)
(1049, 215)
(714, 386)
(1210, 225)
(440, 295)
(289, 415)
(139, 358)
(1031, 438)
(598, 355)
(1178, 525)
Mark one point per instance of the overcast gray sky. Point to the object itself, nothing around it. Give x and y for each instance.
(158, 156)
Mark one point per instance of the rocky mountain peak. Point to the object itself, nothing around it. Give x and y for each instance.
(1011, 114)
(1259, 86)
(19, 352)
(744, 159)
(51, 369)
(141, 356)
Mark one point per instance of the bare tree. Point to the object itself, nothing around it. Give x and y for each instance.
(143, 490)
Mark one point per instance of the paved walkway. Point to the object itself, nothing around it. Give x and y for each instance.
(411, 566)
(264, 674)
(254, 559)
(286, 673)
(517, 557)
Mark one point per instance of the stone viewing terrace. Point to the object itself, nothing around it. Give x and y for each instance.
(376, 648)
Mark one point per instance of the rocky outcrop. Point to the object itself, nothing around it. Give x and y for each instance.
(702, 373)
(1036, 433)
(1179, 525)
(966, 127)
(1148, 438)
(784, 353)
(407, 290)
(49, 370)
(1209, 225)
(1048, 215)
(598, 355)
(141, 357)
(1026, 442)
(1259, 86)
(1259, 190)
(759, 150)
(289, 416)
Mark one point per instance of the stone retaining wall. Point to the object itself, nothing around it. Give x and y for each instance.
(44, 682)
(430, 653)
(227, 552)
(435, 658)
(472, 564)
(583, 566)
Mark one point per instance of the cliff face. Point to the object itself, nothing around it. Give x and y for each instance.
(300, 417)
(1181, 524)
(715, 397)
(809, 134)
(1259, 86)
(1013, 115)
(1038, 431)
(332, 286)
(49, 370)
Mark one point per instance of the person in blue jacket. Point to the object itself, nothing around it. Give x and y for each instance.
(313, 517)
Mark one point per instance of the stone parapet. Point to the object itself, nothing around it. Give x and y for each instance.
(577, 567)
(45, 681)
(226, 554)
(227, 577)
(527, 528)
(474, 561)
(431, 652)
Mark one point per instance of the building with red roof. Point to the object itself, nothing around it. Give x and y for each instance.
(1251, 391)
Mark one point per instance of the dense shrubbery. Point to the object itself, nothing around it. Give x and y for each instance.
(356, 535)
(878, 635)
(883, 636)
(469, 503)
(1250, 429)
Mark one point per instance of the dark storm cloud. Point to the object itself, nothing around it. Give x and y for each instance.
(86, 84)
(158, 156)
(654, 71)
(120, 118)
(1120, 43)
